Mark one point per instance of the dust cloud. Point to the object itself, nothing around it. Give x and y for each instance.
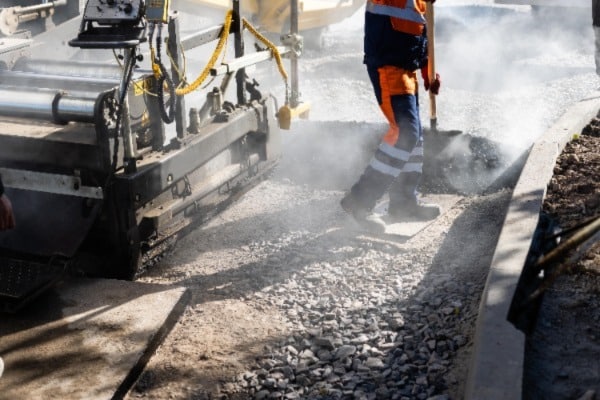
(508, 73)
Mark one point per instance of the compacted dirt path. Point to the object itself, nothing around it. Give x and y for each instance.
(290, 299)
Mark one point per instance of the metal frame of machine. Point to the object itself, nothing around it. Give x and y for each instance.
(100, 182)
(548, 3)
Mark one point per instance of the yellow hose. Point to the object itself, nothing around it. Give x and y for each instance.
(219, 48)
(213, 59)
(270, 46)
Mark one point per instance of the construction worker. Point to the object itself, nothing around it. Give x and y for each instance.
(596, 25)
(395, 47)
(7, 218)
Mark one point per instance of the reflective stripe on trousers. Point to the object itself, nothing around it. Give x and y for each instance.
(411, 162)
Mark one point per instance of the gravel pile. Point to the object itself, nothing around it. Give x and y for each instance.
(290, 301)
(367, 328)
(352, 315)
(369, 318)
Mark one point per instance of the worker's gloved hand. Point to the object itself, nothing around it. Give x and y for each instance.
(435, 86)
(7, 218)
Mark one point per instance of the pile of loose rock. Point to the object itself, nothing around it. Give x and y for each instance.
(367, 327)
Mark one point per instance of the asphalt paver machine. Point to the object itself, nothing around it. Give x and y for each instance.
(106, 162)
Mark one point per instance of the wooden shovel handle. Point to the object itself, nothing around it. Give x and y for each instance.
(430, 18)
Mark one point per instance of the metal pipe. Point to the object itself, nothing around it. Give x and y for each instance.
(29, 104)
(295, 95)
(68, 83)
(246, 61)
(238, 28)
(28, 17)
(39, 7)
(76, 109)
(70, 68)
(177, 56)
(202, 37)
(52, 106)
(128, 139)
(11, 17)
(588, 234)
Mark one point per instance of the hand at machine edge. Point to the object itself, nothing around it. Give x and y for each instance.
(7, 218)
(434, 86)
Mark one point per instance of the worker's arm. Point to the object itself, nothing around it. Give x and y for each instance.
(7, 218)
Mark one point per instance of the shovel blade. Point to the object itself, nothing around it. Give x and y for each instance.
(463, 163)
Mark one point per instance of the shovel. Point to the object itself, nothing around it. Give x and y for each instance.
(430, 17)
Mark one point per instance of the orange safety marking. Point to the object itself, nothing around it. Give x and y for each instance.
(403, 25)
(394, 81)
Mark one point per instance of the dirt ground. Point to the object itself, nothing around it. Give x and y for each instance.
(240, 266)
(562, 352)
(253, 263)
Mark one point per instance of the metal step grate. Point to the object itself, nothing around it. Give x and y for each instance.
(21, 280)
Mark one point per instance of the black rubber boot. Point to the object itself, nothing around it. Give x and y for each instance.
(404, 205)
(363, 195)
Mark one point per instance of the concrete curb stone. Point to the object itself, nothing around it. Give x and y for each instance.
(496, 368)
